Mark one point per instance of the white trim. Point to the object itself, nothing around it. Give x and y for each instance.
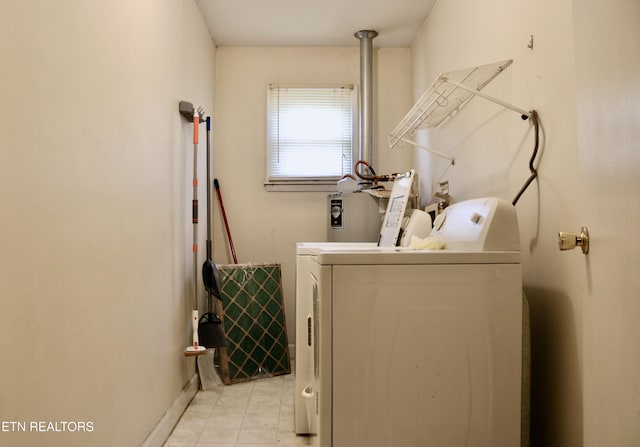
(164, 427)
(301, 187)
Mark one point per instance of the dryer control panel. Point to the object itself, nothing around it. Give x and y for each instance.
(485, 224)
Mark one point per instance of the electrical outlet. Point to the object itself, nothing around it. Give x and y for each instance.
(444, 187)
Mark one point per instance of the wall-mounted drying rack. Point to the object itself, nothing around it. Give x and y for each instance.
(445, 97)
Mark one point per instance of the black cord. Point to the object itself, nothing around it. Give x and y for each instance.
(532, 169)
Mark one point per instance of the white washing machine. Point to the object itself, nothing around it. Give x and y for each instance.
(400, 347)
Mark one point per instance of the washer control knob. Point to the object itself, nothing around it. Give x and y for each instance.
(568, 241)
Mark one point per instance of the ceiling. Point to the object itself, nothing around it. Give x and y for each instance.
(313, 22)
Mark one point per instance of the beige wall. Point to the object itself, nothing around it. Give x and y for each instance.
(585, 350)
(265, 226)
(95, 231)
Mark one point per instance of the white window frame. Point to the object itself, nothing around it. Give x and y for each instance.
(306, 183)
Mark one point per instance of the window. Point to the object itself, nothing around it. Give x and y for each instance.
(310, 140)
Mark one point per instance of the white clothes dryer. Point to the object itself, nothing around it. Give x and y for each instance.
(413, 348)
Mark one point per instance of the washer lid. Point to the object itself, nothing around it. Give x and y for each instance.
(407, 256)
(477, 231)
(310, 248)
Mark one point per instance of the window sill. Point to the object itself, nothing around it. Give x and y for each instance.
(301, 187)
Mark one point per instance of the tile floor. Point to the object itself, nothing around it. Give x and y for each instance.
(258, 413)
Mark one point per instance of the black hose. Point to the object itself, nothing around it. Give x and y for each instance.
(532, 169)
(373, 177)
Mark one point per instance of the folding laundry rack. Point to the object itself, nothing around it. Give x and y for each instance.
(445, 97)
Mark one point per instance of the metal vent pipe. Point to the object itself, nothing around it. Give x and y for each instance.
(365, 149)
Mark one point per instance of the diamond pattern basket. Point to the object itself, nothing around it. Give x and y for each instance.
(253, 319)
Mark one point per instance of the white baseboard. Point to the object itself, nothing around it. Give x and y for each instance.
(164, 427)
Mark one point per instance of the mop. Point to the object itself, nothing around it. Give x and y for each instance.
(196, 348)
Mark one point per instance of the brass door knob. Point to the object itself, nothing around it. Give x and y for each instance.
(568, 241)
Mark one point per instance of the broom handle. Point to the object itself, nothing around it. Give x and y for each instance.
(209, 251)
(224, 217)
(209, 254)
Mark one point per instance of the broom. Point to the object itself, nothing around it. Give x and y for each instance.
(210, 325)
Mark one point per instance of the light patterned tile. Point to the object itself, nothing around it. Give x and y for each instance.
(178, 444)
(234, 399)
(261, 422)
(265, 395)
(197, 412)
(203, 401)
(287, 409)
(216, 433)
(229, 420)
(228, 410)
(257, 413)
(195, 424)
(216, 444)
(251, 436)
(286, 423)
(265, 409)
(184, 434)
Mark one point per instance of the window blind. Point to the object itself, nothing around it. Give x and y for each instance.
(309, 133)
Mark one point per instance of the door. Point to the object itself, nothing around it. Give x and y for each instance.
(607, 40)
